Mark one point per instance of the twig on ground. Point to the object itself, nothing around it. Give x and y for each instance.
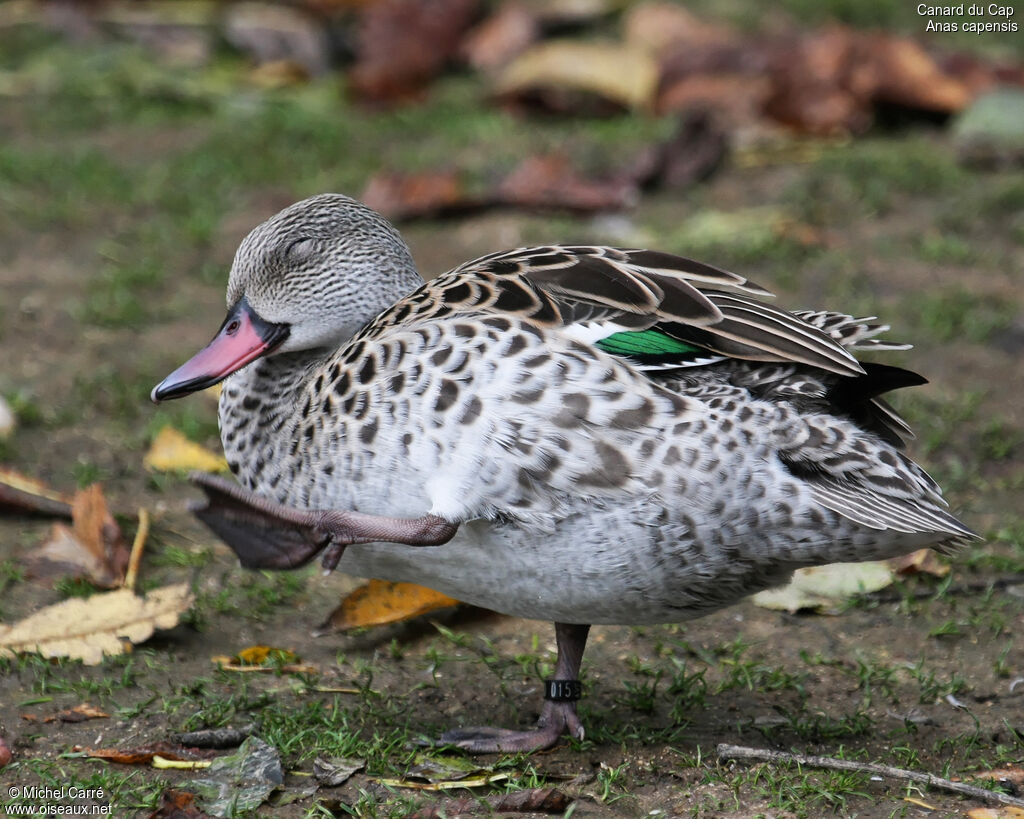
(764, 755)
(137, 545)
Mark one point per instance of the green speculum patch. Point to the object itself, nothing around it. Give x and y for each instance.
(645, 343)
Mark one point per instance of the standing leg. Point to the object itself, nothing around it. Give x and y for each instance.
(559, 715)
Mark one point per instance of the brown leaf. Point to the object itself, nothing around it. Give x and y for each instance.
(404, 44)
(379, 602)
(5, 753)
(1003, 812)
(416, 195)
(24, 495)
(907, 75)
(544, 182)
(80, 713)
(178, 805)
(143, 754)
(659, 27)
(1006, 776)
(102, 624)
(92, 548)
(501, 37)
(580, 78)
(533, 800)
(821, 84)
(923, 561)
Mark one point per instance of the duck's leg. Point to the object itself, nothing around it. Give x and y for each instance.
(559, 715)
(267, 535)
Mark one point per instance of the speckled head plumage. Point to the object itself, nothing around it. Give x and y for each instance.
(324, 267)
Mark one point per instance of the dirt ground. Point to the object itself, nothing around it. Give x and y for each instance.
(927, 674)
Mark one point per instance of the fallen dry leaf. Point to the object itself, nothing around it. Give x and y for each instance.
(568, 76)
(659, 26)
(1009, 776)
(694, 152)
(501, 37)
(5, 753)
(178, 805)
(403, 44)
(416, 195)
(144, 754)
(171, 451)
(1005, 812)
(80, 713)
(92, 548)
(24, 495)
(379, 602)
(242, 781)
(330, 772)
(533, 800)
(264, 655)
(104, 624)
(923, 561)
(908, 76)
(824, 588)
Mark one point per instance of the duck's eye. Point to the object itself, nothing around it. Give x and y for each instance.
(232, 328)
(299, 249)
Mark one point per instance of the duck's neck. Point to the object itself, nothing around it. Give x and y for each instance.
(256, 405)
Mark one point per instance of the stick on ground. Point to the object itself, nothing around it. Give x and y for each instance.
(764, 755)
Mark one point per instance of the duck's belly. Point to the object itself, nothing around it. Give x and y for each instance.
(626, 566)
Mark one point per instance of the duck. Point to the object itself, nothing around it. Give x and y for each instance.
(580, 434)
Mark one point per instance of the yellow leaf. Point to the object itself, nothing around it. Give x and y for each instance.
(626, 75)
(1005, 812)
(104, 624)
(173, 452)
(260, 655)
(379, 602)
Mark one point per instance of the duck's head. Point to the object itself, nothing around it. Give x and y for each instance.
(307, 278)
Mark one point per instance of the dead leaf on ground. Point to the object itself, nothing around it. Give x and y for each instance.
(417, 195)
(143, 754)
(824, 588)
(1004, 812)
(404, 44)
(923, 561)
(544, 182)
(80, 713)
(532, 800)
(568, 76)
(21, 494)
(171, 451)
(379, 602)
(5, 753)
(909, 76)
(178, 805)
(104, 624)
(658, 26)
(333, 771)
(501, 37)
(1005, 776)
(241, 781)
(264, 658)
(92, 548)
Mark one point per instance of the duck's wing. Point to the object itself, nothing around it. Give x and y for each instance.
(657, 309)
